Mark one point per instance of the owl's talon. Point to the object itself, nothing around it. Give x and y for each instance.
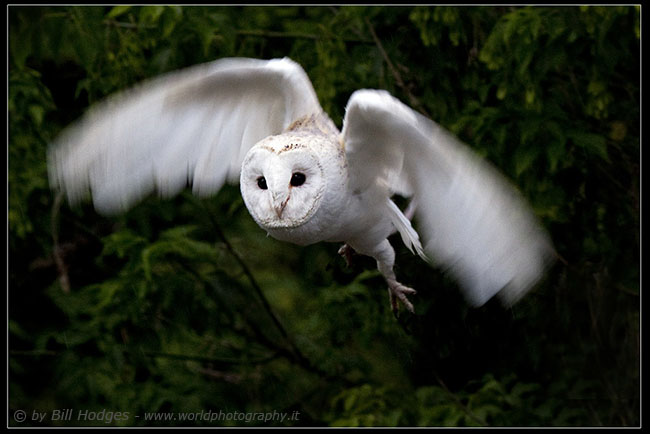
(397, 291)
(346, 251)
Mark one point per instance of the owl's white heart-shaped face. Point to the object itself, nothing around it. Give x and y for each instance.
(282, 182)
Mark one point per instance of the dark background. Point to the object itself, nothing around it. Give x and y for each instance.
(185, 305)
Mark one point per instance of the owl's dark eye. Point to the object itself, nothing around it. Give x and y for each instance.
(261, 183)
(298, 179)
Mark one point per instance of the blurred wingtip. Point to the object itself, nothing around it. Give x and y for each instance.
(511, 278)
(58, 174)
(515, 291)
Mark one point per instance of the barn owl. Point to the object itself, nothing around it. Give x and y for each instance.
(259, 123)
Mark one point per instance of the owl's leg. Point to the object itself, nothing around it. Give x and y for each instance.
(385, 256)
(398, 291)
(346, 251)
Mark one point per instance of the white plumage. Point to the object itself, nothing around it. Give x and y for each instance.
(259, 122)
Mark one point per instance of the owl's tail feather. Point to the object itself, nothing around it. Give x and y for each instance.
(409, 236)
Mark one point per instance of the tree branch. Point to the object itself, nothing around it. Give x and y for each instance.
(294, 352)
(459, 403)
(217, 360)
(296, 35)
(64, 280)
(415, 102)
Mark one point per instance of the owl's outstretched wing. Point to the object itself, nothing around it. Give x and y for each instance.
(472, 220)
(191, 126)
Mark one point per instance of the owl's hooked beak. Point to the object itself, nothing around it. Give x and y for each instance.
(280, 202)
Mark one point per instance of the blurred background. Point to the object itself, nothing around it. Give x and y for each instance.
(185, 305)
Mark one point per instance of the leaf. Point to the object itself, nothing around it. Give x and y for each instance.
(170, 18)
(618, 131)
(151, 14)
(122, 243)
(117, 11)
(524, 159)
(556, 148)
(37, 112)
(502, 91)
(590, 142)
(521, 389)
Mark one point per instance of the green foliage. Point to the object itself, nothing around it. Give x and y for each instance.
(184, 305)
(484, 402)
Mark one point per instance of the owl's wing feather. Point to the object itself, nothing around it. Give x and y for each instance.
(472, 220)
(190, 126)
